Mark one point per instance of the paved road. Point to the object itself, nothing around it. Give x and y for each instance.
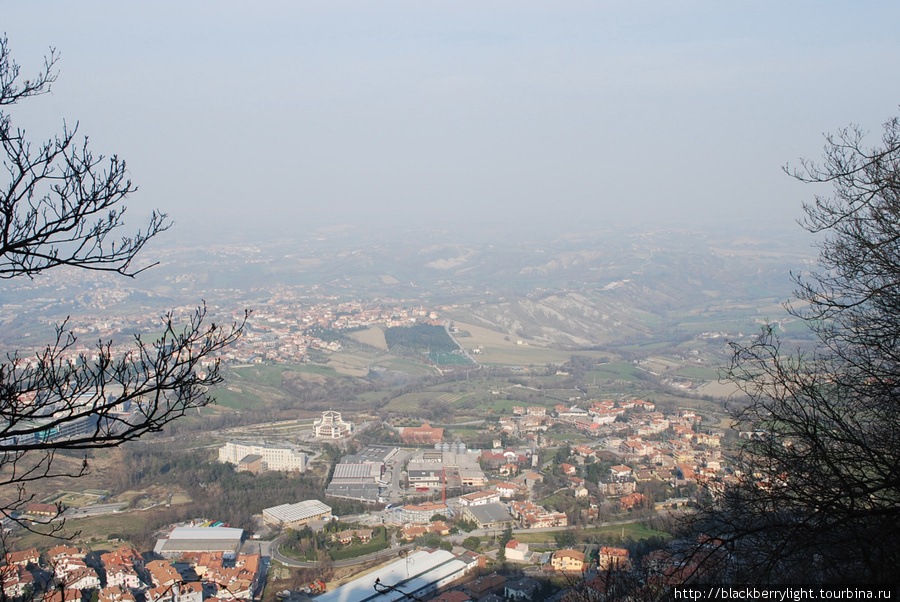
(95, 510)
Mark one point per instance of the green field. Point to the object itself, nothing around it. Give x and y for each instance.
(699, 373)
(414, 401)
(619, 371)
(398, 364)
(91, 532)
(448, 359)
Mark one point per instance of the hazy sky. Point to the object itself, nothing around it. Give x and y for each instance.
(316, 112)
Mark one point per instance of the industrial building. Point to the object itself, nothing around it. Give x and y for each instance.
(414, 577)
(295, 516)
(359, 476)
(488, 516)
(184, 540)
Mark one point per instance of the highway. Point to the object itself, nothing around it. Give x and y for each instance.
(95, 510)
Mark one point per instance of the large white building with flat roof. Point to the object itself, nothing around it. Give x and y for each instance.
(297, 515)
(200, 539)
(414, 577)
(274, 457)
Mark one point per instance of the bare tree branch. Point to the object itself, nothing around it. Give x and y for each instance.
(817, 493)
(61, 205)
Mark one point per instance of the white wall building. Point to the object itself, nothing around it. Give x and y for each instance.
(417, 576)
(331, 426)
(274, 457)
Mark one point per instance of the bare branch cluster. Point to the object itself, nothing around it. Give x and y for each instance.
(819, 482)
(62, 205)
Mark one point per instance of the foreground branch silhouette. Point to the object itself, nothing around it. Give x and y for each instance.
(60, 205)
(817, 497)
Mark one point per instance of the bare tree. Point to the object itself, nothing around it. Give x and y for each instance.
(818, 497)
(60, 205)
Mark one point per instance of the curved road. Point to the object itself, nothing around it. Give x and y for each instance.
(275, 553)
(273, 548)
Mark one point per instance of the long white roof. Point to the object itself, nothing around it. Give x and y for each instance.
(206, 533)
(408, 575)
(288, 513)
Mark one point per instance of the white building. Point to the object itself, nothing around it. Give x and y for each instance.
(331, 426)
(122, 576)
(200, 539)
(480, 498)
(274, 457)
(296, 515)
(516, 551)
(417, 576)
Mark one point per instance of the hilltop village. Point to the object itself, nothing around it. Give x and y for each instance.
(284, 327)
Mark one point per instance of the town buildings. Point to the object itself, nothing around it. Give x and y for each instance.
(271, 457)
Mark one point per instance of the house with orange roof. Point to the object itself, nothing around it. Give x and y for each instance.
(82, 578)
(439, 527)
(532, 478)
(585, 451)
(620, 471)
(66, 565)
(506, 490)
(346, 536)
(115, 593)
(632, 500)
(517, 551)
(67, 595)
(612, 558)
(17, 580)
(422, 434)
(124, 556)
(421, 513)
(568, 469)
(24, 558)
(410, 532)
(37, 510)
(118, 575)
(63, 551)
(568, 561)
(163, 573)
(647, 406)
(482, 586)
(635, 448)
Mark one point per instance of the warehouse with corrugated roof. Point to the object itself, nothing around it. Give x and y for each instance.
(297, 515)
(419, 574)
(200, 539)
